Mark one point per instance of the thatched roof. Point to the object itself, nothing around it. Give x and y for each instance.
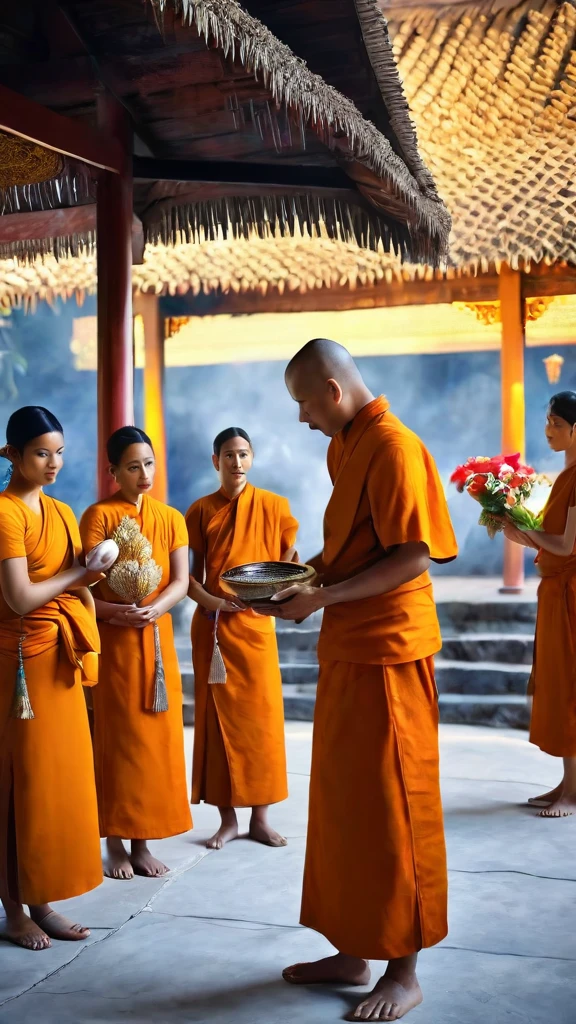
(492, 90)
(206, 82)
(260, 265)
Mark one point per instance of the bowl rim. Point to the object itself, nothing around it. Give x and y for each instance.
(302, 578)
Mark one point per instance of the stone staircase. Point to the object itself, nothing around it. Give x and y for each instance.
(482, 671)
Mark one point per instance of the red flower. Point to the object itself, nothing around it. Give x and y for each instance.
(477, 485)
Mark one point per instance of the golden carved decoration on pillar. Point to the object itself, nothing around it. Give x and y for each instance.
(172, 324)
(24, 163)
(488, 313)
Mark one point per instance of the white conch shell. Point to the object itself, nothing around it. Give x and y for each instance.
(102, 557)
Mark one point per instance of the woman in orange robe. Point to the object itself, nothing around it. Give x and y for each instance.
(239, 749)
(138, 752)
(49, 841)
(553, 679)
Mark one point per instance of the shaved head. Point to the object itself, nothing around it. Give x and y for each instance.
(325, 381)
(324, 359)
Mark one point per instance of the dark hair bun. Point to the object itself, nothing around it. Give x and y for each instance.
(227, 435)
(121, 439)
(29, 422)
(564, 405)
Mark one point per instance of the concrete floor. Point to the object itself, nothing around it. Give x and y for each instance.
(208, 943)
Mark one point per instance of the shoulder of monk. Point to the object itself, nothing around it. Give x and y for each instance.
(206, 501)
(270, 498)
(62, 507)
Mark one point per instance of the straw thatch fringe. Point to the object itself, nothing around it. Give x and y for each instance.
(379, 49)
(61, 248)
(324, 109)
(270, 215)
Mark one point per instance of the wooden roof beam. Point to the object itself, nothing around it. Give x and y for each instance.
(75, 220)
(29, 120)
(302, 176)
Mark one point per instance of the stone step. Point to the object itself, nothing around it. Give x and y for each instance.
(481, 677)
(509, 648)
(456, 677)
(502, 711)
(509, 616)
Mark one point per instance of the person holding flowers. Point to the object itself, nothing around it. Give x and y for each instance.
(138, 724)
(553, 679)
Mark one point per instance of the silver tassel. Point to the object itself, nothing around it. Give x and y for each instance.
(160, 696)
(21, 706)
(217, 673)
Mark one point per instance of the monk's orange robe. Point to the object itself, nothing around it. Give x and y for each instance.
(49, 839)
(553, 680)
(375, 874)
(138, 753)
(239, 748)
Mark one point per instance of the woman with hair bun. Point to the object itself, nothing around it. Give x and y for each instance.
(49, 840)
(239, 749)
(138, 747)
(553, 679)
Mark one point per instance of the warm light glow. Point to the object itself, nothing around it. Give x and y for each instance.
(395, 330)
(553, 364)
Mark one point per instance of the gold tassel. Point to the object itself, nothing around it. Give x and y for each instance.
(160, 695)
(217, 672)
(21, 706)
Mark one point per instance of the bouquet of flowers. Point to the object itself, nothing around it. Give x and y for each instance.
(502, 485)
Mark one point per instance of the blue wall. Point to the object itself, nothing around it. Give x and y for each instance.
(452, 401)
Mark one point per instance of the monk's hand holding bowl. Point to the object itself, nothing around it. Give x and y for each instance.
(295, 603)
(235, 605)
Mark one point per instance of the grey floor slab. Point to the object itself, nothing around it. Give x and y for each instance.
(208, 942)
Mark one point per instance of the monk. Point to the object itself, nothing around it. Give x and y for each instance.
(239, 749)
(553, 678)
(138, 750)
(49, 840)
(378, 893)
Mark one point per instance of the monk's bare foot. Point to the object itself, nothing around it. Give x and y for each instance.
(144, 863)
(225, 834)
(547, 798)
(263, 833)
(59, 927)
(564, 806)
(336, 970)
(390, 1000)
(23, 931)
(117, 862)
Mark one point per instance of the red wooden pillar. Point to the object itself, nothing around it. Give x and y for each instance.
(513, 318)
(114, 264)
(148, 307)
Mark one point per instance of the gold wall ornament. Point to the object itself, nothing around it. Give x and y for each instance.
(488, 313)
(553, 364)
(25, 163)
(173, 324)
(535, 308)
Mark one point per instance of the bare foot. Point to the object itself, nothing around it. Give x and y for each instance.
(338, 969)
(145, 864)
(225, 834)
(562, 807)
(546, 798)
(59, 927)
(263, 833)
(23, 931)
(389, 1000)
(117, 862)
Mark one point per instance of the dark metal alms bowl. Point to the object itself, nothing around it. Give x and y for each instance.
(259, 581)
